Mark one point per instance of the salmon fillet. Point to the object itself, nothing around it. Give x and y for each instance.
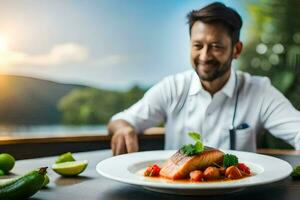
(179, 165)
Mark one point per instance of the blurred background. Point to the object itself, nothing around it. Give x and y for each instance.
(67, 66)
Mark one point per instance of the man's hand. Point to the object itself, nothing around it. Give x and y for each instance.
(124, 140)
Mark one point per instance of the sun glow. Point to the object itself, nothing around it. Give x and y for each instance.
(3, 44)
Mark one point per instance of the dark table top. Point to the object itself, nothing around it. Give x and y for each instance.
(91, 186)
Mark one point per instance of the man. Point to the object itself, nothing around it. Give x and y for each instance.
(227, 107)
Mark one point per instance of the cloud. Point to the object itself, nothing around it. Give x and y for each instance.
(72, 63)
(59, 55)
(110, 60)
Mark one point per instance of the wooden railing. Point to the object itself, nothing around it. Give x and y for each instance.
(33, 147)
(39, 146)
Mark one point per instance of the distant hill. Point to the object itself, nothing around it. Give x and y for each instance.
(25, 100)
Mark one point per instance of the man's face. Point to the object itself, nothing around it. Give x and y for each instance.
(211, 50)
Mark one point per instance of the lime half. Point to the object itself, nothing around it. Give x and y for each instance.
(66, 157)
(71, 168)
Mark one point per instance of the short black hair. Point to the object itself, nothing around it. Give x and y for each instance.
(220, 14)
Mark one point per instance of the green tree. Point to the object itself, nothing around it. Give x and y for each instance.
(273, 47)
(94, 106)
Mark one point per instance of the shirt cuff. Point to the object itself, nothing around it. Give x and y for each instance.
(297, 141)
(130, 119)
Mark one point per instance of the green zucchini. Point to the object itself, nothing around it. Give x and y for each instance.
(24, 186)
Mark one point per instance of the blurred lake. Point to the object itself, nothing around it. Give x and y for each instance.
(52, 130)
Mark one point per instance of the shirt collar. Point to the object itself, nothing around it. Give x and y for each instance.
(228, 88)
(195, 86)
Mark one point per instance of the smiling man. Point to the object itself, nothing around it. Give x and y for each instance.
(228, 107)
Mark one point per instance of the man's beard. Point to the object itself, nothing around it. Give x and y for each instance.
(217, 69)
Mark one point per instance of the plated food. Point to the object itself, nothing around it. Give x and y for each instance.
(131, 168)
(197, 163)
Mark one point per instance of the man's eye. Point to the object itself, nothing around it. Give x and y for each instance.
(217, 46)
(197, 46)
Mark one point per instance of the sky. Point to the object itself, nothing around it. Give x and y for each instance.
(111, 44)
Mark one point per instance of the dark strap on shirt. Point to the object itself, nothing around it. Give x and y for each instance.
(239, 82)
(183, 97)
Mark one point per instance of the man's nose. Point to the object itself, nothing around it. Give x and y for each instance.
(205, 54)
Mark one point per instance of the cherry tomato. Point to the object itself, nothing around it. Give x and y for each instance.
(152, 170)
(244, 168)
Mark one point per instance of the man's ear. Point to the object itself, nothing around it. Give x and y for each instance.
(237, 49)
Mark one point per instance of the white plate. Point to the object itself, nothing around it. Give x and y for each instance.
(126, 168)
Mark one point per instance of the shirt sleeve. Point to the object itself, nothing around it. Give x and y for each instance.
(148, 111)
(279, 116)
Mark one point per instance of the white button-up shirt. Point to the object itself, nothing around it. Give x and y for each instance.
(260, 105)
